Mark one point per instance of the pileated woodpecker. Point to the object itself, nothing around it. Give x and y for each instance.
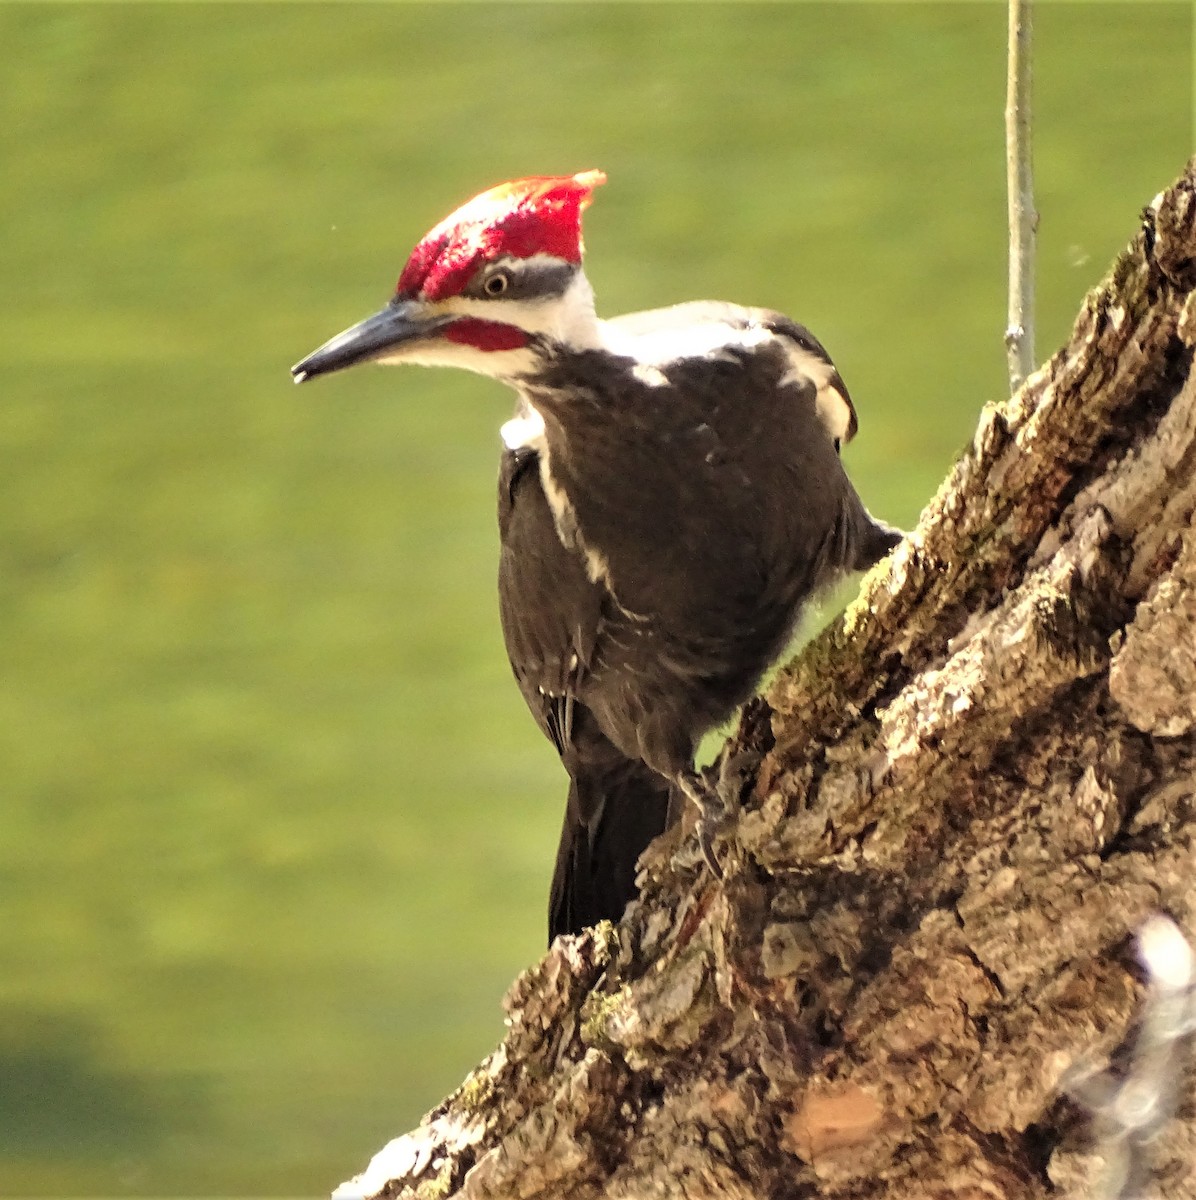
(670, 495)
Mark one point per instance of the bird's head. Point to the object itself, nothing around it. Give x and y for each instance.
(490, 287)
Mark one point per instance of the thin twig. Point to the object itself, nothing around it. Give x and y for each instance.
(1023, 218)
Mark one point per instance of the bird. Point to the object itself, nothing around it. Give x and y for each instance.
(670, 497)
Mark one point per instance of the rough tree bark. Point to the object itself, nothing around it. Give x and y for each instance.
(958, 805)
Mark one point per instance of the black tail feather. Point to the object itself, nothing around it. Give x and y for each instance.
(615, 808)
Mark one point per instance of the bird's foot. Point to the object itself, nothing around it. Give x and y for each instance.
(736, 773)
(707, 829)
(713, 816)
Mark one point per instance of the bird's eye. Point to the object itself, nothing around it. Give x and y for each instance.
(497, 283)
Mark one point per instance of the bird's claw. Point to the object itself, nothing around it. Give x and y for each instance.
(712, 819)
(707, 830)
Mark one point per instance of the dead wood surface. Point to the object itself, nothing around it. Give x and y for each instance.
(958, 805)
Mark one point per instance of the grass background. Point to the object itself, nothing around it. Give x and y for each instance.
(275, 830)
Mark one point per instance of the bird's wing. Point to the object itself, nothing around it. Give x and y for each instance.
(553, 619)
(810, 361)
(552, 613)
(700, 327)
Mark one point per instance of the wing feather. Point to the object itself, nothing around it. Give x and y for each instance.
(552, 613)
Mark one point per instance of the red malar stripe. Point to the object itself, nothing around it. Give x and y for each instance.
(485, 335)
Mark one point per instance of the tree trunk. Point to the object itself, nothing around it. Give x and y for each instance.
(958, 805)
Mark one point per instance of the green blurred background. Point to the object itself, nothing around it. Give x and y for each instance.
(275, 829)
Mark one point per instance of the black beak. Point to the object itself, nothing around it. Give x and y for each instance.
(399, 322)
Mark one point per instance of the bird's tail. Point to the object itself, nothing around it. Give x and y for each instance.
(616, 807)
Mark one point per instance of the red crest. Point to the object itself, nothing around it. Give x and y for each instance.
(540, 215)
